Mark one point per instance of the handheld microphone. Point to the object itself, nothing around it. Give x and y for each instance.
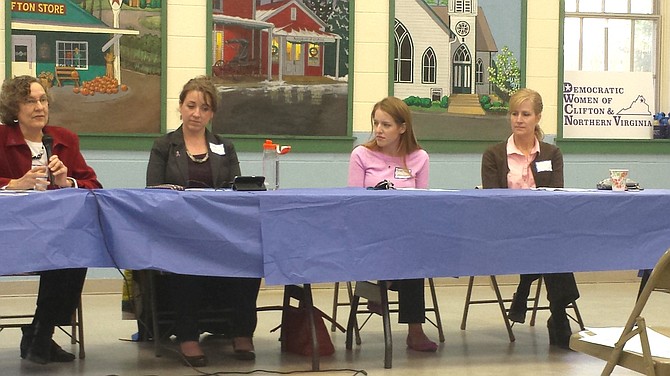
(48, 142)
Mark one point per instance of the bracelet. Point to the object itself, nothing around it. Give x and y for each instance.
(71, 183)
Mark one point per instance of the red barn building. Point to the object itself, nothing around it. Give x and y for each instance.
(282, 38)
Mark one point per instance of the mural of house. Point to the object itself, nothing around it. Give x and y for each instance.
(59, 35)
(442, 50)
(279, 37)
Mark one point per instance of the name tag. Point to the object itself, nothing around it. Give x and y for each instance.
(217, 149)
(401, 173)
(543, 166)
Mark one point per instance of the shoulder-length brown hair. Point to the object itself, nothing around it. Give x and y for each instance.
(14, 92)
(401, 114)
(204, 85)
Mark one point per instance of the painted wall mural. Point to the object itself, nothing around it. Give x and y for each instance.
(100, 60)
(281, 67)
(455, 63)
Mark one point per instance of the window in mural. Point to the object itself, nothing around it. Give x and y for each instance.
(479, 72)
(72, 54)
(429, 68)
(468, 53)
(403, 54)
(102, 78)
(304, 89)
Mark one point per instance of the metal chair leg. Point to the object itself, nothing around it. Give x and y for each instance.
(336, 304)
(436, 310)
(388, 340)
(468, 299)
(503, 310)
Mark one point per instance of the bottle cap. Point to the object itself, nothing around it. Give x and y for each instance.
(269, 145)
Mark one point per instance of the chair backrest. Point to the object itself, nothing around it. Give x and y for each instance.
(659, 280)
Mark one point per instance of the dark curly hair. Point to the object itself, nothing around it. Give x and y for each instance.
(204, 85)
(14, 91)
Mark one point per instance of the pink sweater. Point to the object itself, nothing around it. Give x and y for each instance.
(367, 168)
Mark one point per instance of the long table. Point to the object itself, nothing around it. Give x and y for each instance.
(54, 230)
(191, 232)
(325, 235)
(353, 234)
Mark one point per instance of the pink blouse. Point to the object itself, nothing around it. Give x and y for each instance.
(368, 167)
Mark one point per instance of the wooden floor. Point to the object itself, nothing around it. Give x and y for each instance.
(482, 349)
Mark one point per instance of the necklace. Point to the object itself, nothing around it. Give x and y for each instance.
(36, 151)
(197, 160)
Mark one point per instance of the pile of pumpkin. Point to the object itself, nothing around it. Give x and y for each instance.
(101, 85)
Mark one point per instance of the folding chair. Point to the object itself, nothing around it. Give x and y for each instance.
(337, 303)
(615, 355)
(157, 317)
(75, 332)
(535, 299)
(378, 292)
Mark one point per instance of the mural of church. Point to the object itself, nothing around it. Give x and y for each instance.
(441, 50)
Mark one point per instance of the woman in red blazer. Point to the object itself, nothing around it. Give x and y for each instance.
(24, 112)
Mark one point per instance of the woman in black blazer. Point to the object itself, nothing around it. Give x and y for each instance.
(193, 157)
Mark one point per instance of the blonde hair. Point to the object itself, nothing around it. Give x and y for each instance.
(535, 99)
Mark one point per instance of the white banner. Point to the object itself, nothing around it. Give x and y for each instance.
(608, 105)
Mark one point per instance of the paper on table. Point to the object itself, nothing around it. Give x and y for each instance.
(659, 344)
(565, 189)
(8, 192)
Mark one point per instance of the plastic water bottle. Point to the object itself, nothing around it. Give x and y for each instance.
(270, 165)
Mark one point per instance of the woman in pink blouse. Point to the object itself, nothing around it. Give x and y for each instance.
(395, 155)
(524, 161)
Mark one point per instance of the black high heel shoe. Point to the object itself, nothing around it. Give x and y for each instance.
(26, 340)
(559, 332)
(518, 308)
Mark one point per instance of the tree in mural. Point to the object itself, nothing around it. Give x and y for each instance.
(335, 13)
(505, 74)
(320, 7)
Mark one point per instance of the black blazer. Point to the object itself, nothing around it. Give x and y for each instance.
(168, 162)
(495, 167)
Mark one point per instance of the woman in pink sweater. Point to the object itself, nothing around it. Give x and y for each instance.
(395, 155)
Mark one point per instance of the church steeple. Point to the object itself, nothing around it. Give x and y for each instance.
(463, 7)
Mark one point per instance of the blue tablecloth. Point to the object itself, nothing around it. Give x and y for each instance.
(356, 234)
(194, 232)
(324, 235)
(50, 230)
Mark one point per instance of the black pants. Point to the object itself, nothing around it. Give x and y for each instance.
(411, 300)
(58, 296)
(561, 289)
(189, 292)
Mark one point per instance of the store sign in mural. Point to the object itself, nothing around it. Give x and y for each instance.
(608, 105)
(37, 7)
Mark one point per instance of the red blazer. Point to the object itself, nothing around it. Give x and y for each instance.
(15, 156)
